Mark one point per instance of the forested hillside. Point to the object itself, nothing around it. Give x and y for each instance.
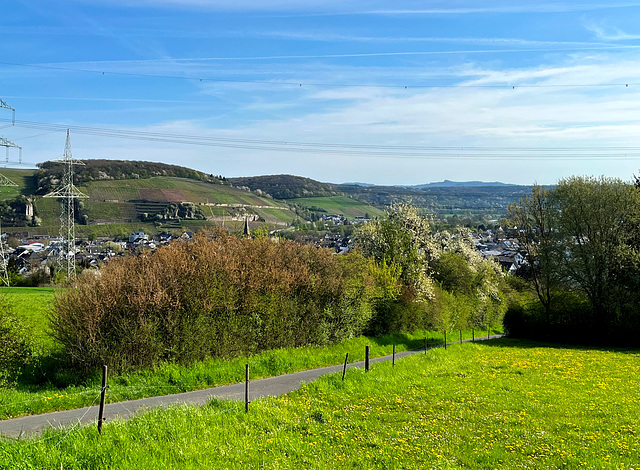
(287, 186)
(50, 173)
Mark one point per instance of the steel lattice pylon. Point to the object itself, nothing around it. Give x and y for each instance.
(4, 181)
(67, 193)
(4, 274)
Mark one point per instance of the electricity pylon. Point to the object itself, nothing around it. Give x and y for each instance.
(8, 144)
(4, 274)
(4, 105)
(67, 193)
(4, 181)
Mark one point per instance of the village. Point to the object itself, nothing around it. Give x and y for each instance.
(37, 256)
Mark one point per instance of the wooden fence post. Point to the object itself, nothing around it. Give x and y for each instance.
(344, 369)
(473, 335)
(393, 357)
(366, 358)
(102, 396)
(445, 339)
(246, 388)
(460, 336)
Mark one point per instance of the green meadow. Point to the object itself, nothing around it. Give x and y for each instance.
(31, 304)
(503, 404)
(339, 205)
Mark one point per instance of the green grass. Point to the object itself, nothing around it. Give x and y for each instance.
(57, 394)
(104, 210)
(31, 305)
(507, 405)
(276, 215)
(48, 209)
(195, 191)
(23, 178)
(339, 205)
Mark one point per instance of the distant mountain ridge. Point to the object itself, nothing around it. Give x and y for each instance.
(449, 184)
(440, 184)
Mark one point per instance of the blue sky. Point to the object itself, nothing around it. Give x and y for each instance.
(401, 92)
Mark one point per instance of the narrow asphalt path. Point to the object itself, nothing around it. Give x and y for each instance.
(272, 386)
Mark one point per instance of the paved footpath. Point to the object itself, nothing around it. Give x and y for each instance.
(273, 386)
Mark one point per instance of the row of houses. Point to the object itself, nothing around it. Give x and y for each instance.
(42, 252)
(506, 251)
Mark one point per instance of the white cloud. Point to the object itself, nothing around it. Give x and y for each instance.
(607, 33)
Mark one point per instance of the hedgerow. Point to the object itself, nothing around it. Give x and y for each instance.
(216, 295)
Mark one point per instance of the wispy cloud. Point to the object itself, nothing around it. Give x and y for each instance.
(540, 7)
(326, 36)
(605, 33)
(374, 7)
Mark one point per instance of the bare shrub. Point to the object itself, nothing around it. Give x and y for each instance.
(216, 295)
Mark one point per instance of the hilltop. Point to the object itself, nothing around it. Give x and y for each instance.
(49, 173)
(287, 186)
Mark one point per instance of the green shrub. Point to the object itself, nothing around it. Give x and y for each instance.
(15, 348)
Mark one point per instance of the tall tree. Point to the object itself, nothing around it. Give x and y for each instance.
(597, 221)
(534, 217)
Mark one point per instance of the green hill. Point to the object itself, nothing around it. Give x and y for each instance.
(287, 186)
(351, 208)
(176, 198)
(130, 200)
(131, 195)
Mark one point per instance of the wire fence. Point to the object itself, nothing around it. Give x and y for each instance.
(122, 395)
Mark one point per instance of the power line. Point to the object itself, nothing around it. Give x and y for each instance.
(302, 83)
(364, 150)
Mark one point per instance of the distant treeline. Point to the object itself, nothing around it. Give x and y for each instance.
(49, 175)
(444, 200)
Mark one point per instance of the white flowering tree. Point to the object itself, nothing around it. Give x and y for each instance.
(402, 239)
(443, 264)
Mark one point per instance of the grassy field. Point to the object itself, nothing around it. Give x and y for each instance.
(23, 178)
(339, 205)
(31, 304)
(505, 404)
